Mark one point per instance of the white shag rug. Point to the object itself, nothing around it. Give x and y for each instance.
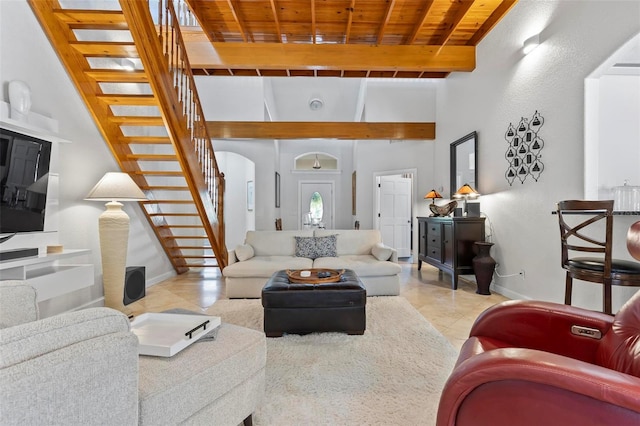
(391, 375)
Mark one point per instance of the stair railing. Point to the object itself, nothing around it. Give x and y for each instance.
(163, 53)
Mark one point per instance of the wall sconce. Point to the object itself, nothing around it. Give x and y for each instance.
(531, 43)
(432, 195)
(465, 192)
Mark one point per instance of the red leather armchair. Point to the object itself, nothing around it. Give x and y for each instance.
(539, 363)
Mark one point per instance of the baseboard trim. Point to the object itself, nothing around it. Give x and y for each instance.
(513, 295)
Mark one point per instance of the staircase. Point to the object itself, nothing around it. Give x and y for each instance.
(137, 84)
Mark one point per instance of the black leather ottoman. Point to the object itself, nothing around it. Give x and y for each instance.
(306, 308)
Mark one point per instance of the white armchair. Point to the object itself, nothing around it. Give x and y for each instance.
(82, 368)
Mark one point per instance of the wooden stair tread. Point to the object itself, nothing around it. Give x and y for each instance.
(164, 188)
(204, 265)
(89, 16)
(152, 157)
(167, 202)
(118, 49)
(158, 173)
(174, 214)
(146, 140)
(193, 247)
(128, 120)
(181, 226)
(138, 100)
(117, 76)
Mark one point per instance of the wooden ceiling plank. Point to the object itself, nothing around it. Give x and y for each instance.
(274, 10)
(331, 57)
(385, 21)
(464, 7)
(313, 21)
(420, 22)
(347, 32)
(491, 21)
(241, 26)
(325, 130)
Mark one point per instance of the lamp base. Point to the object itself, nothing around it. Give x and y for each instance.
(114, 235)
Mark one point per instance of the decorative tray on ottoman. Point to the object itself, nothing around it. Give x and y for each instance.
(316, 275)
(164, 334)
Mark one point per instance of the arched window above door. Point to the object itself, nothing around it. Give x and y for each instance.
(315, 161)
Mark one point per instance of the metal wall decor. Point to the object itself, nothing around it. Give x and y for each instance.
(523, 153)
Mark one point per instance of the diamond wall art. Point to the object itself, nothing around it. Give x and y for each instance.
(523, 153)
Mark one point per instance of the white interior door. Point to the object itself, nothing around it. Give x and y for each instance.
(306, 191)
(395, 213)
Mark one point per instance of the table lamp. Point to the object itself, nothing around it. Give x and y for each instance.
(113, 226)
(432, 195)
(466, 192)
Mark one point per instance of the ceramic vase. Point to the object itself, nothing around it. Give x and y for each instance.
(483, 267)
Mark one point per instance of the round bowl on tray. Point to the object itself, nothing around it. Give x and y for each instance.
(333, 275)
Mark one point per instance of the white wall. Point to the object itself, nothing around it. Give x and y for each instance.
(507, 86)
(26, 54)
(238, 220)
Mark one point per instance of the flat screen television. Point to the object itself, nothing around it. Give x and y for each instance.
(24, 180)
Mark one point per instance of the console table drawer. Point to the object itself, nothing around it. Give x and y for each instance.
(434, 253)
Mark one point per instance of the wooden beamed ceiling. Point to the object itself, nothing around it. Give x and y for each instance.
(339, 38)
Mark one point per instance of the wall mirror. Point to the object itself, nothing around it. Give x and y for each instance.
(464, 162)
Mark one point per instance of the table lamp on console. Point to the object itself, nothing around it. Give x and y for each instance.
(113, 225)
(432, 195)
(465, 192)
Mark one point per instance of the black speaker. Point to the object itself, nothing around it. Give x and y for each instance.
(134, 284)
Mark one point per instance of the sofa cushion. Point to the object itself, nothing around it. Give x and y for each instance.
(172, 389)
(244, 252)
(305, 247)
(275, 243)
(351, 241)
(326, 246)
(265, 266)
(381, 252)
(365, 265)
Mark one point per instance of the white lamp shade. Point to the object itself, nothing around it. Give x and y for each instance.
(116, 186)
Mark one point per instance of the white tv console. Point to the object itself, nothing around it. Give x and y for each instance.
(49, 277)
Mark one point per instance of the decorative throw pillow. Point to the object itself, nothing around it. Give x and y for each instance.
(381, 252)
(326, 246)
(244, 252)
(305, 247)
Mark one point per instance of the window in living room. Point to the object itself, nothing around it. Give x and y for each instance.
(316, 208)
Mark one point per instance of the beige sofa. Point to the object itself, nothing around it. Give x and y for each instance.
(266, 252)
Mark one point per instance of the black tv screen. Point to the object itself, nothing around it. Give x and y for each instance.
(24, 179)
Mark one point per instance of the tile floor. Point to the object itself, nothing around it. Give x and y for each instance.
(452, 312)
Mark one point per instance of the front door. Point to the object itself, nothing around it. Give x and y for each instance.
(316, 198)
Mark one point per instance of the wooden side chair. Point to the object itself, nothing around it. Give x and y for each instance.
(587, 227)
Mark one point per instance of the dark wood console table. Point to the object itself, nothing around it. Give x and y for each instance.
(447, 243)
